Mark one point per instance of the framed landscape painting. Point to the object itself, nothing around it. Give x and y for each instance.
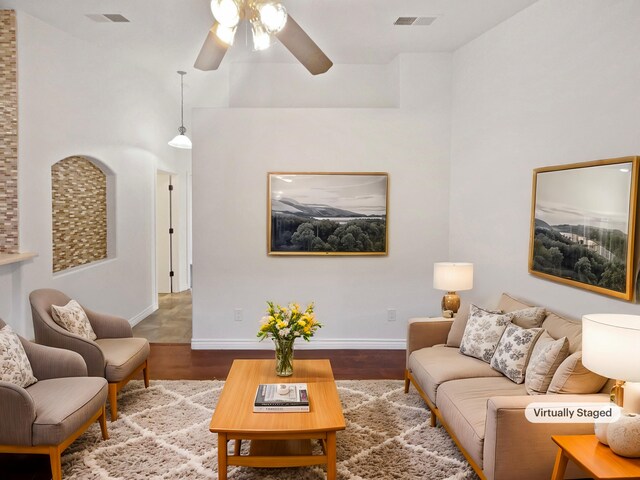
(327, 213)
(583, 225)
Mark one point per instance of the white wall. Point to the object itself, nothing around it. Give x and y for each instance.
(233, 151)
(555, 84)
(77, 99)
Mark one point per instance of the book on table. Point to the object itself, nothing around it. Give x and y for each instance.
(281, 397)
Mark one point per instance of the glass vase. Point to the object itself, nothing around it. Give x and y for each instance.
(284, 357)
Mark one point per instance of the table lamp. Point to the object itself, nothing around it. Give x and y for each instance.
(452, 277)
(610, 344)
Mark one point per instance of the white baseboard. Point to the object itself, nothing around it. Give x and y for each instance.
(143, 314)
(325, 344)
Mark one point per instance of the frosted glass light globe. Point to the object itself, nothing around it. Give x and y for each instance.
(273, 16)
(226, 12)
(261, 39)
(226, 34)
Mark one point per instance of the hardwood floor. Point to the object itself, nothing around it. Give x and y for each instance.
(178, 361)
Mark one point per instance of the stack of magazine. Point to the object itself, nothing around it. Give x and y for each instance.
(278, 397)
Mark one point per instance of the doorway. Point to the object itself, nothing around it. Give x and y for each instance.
(172, 322)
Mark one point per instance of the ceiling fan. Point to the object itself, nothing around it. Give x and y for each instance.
(267, 19)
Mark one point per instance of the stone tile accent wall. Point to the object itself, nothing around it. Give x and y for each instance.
(79, 211)
(8, 134)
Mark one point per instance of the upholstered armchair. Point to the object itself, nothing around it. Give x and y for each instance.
(47, 416)
(115, 355)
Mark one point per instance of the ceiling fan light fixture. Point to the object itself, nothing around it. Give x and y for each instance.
(261, 39)
(225, 34)
(273, 16)
(226, 12)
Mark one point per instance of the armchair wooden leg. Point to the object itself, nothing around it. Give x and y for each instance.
(406, 381)
(145, 372)
(56, 462)
(103, 423)
(433, 418)
(113, 402)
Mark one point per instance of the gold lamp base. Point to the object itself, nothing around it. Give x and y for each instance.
(617, 393)
(451, 301)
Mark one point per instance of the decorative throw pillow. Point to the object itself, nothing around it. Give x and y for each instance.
(512, 352)
(73, 319)
(483, 332)
(573, 377)
(546, 357)
(459, 324)
(14, 363)
(529, 317)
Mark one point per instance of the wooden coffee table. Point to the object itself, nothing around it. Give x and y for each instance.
(277, 439)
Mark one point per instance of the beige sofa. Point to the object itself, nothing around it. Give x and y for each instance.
(482, 410)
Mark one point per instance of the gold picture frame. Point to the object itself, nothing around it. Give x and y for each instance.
(327, 213)
(583, 222)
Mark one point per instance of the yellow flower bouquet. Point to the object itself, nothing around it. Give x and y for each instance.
(284, 325)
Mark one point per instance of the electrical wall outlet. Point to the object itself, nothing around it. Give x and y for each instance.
(391, 314)
(237, 314)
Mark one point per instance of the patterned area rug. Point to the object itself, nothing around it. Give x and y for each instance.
(163, 432)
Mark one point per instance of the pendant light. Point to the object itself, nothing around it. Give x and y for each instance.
(181, 140)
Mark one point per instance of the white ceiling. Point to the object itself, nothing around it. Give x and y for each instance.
(166, 35)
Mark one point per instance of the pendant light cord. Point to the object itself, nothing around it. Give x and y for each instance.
(182, 130)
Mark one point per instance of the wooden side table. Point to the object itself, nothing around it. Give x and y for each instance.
(594, 457)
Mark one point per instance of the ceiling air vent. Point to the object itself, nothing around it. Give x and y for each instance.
(405, 20)
(107, 17)
(415, 21)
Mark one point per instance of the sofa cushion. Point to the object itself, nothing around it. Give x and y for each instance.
(513, 351)
(573, 377)
(457, 327)
(122, 356)
(531, 317)
(63, 405)
(483, 332)
(507, 303)
(463, 406)
(546, 357)
(554, 324)
(433, 366)
(559, 327)
(73, 318)
(14, 364)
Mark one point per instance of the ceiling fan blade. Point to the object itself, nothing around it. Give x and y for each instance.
(211, 53)
(303, 48)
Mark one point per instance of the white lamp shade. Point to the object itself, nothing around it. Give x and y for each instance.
(181, 141)
(610, 345)
(452, 277)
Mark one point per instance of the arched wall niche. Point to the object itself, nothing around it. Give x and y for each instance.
(82, 207)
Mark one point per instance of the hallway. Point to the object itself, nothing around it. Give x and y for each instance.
(171, 323)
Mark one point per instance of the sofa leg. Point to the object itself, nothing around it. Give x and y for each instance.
(145, 373)
(56, 462)
(433, 418)
(113, 402)
(406, 381)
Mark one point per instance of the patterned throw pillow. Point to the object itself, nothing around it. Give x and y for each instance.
(529, 317)
(483, 332)
(73, 319)
(546, 357)
(512, 352)
(14, 363)
(459, 324)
